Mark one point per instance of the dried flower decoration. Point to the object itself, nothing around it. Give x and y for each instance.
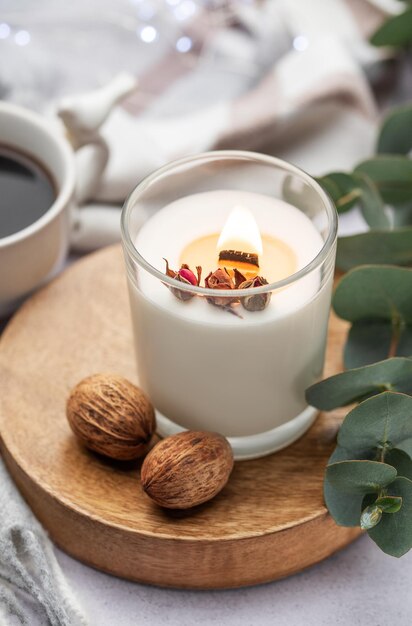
(184, 275)
(221, 279)
(256, 302)
(239, 278)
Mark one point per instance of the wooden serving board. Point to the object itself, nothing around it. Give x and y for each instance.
(268, 522)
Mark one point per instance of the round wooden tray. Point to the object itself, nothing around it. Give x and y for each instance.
(268, 522)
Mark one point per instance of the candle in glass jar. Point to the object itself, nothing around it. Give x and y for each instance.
(243, 376)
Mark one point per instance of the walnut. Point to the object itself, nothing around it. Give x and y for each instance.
(111, 416)
(187, 469)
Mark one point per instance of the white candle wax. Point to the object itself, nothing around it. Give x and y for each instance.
(204, 368)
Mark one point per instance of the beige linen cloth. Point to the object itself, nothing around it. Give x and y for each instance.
(293, 85)
(33, 589)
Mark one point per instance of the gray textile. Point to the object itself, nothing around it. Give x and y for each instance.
(31, 582)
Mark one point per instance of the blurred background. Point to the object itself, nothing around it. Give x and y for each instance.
(49, 48)
(193, 54)
(296, 79)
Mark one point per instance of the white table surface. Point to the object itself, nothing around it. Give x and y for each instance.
(359, 585)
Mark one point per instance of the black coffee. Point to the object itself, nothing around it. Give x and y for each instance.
(26, 191)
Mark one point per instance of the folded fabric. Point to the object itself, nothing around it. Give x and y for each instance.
(319, 53)
(140, 145)
(253, 76)
(267, 117)
(33, 590)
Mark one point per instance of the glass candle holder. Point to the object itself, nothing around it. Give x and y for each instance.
(221, 353)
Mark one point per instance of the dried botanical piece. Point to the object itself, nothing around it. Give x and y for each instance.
(239, 278)
(221, 279)
(184, 275)
(218, 280)
(256, 302)
(252, 303)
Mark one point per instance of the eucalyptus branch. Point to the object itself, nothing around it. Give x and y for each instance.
(381, 187)
(368, 480)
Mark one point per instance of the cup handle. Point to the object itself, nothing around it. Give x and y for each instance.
(90, 168)
(82, 117)
(93, 226)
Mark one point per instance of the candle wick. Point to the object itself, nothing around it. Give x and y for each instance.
(239, 257)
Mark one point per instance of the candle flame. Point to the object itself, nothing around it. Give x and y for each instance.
(240, 232)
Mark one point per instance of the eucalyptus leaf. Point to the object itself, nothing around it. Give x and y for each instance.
(374, 291)
(392, 247)
(344, 508)
(349, 454)
(389, 504)
(371, 203)
(381, 422)
(370, 341)
(347, 190)
(402, 214)
(393, 534)
(395, 32)
(396, 132)
(343, 189)
(368, 500)
(401, 461)
(360, 477)
(360, 383)
(392, 175)
(376, 299)
(406, 446)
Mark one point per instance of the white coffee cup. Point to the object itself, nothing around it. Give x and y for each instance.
(31, 256)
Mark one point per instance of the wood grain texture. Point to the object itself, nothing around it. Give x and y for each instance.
(268, 522)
